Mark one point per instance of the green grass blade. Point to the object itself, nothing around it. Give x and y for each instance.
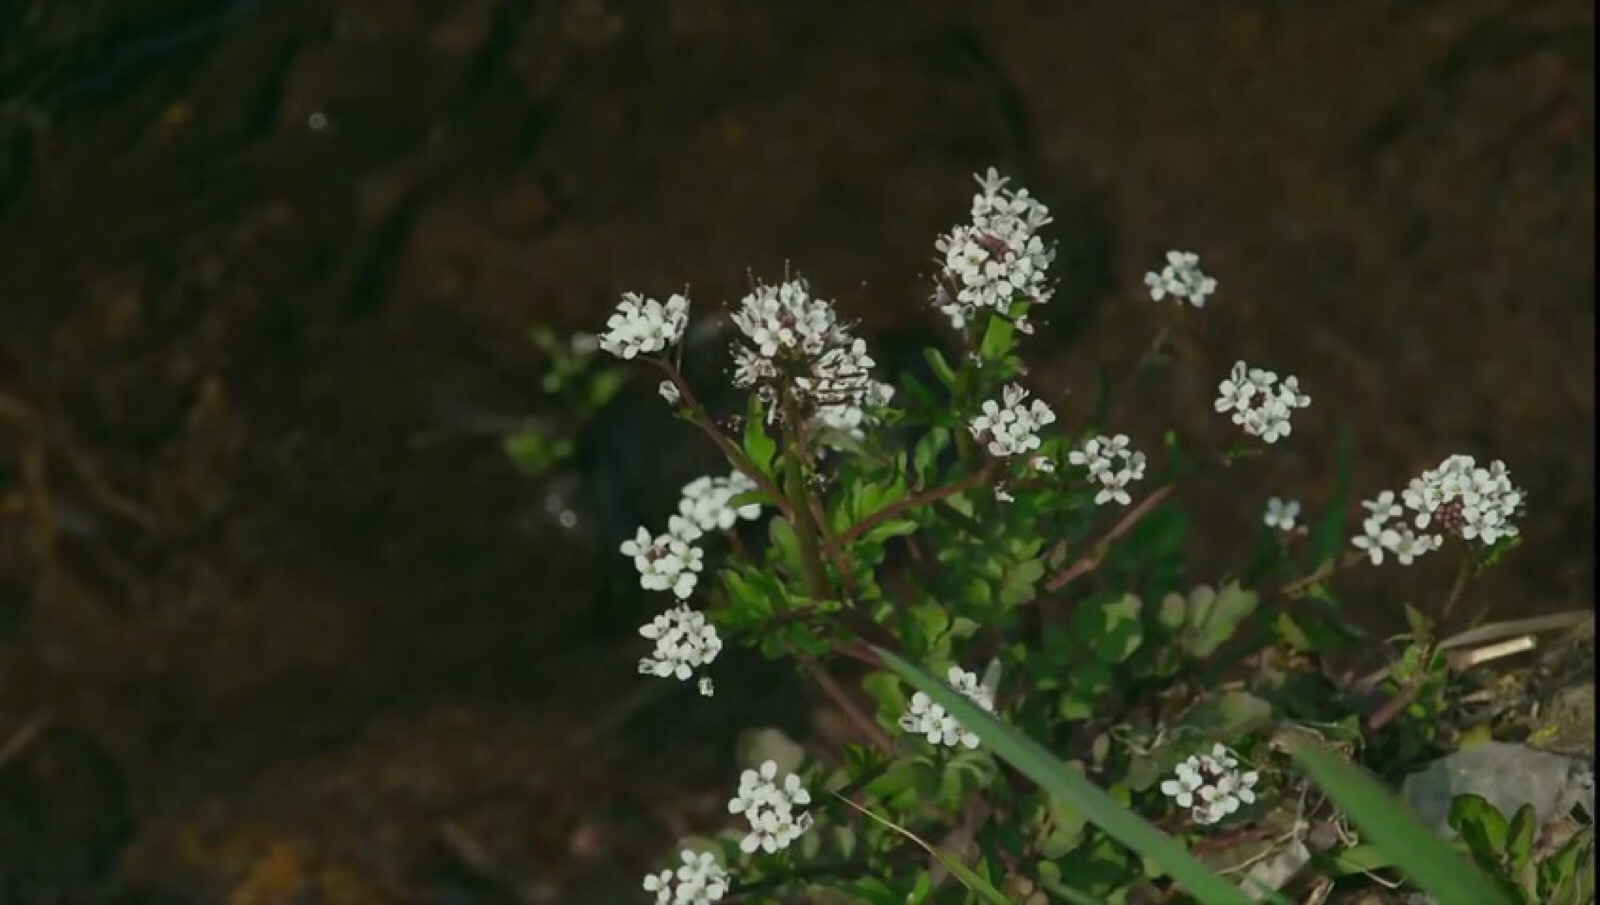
(1083, 796)
(1328, 537)
(1390, 826)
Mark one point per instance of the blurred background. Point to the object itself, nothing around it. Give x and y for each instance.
(279, 622)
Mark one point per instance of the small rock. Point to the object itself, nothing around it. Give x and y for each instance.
(1508, 776)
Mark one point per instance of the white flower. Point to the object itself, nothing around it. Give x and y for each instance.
(667, 562)
(1457, 497)
(642, 326)
(1259, 403)
(707, 503)
(1463, 499)
(699, 881)
(770, 807)
(1409, 545)
(685, 642)
(996, 259)
(707, 687)
(1375, 537)
(1112, 464)
(794, 342)
(926, 718)
(1181, 278)
(1007, 427)
(660, 884)
(1383, 507)
(1211, 785)
(1281, 514)
(669, 392)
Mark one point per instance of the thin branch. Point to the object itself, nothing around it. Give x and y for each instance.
(1091, 560)
(975, 479)
(702, 420)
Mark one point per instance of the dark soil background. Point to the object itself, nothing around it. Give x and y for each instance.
(278, 622)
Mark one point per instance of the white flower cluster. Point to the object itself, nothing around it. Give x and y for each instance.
(998, 258)
(1457, 497)
(643, 326)
(667, 562)
(707, 503)
(1181, 279)
(924, 717)
(699, 881)
(1461, 498)
(1211, 785)
(790, 337)
(1008, 427)
(685, 642)
(771, 808)
(1113, 464)
(1281, 514)
(1260, 404)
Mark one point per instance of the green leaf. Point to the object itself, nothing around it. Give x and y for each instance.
(941, 368)
(1110, 626)
(925, 458)
(997, 338)
(1075, 791)
(758, 444)
(1328, 536)
(1064, 826)
(1420, 625)
(1214, 617)
(1520, 836)
(1387, 823)
(534, 452)
(1359, 859)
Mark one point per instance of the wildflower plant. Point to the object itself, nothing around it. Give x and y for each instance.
(979, 530)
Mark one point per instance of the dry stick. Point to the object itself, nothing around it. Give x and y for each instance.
(1091, 561)
(975, 479)
(1498, 630)
(702, 420)
(1466, 659)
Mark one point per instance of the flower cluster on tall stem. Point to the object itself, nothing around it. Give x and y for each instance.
(996, 259)
(1458, 498)
(792, 343)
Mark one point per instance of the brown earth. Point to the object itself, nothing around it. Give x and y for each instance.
(276, 615)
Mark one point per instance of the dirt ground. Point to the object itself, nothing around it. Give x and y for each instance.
(277, 620)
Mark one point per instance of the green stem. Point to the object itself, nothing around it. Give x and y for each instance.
(805, 527)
